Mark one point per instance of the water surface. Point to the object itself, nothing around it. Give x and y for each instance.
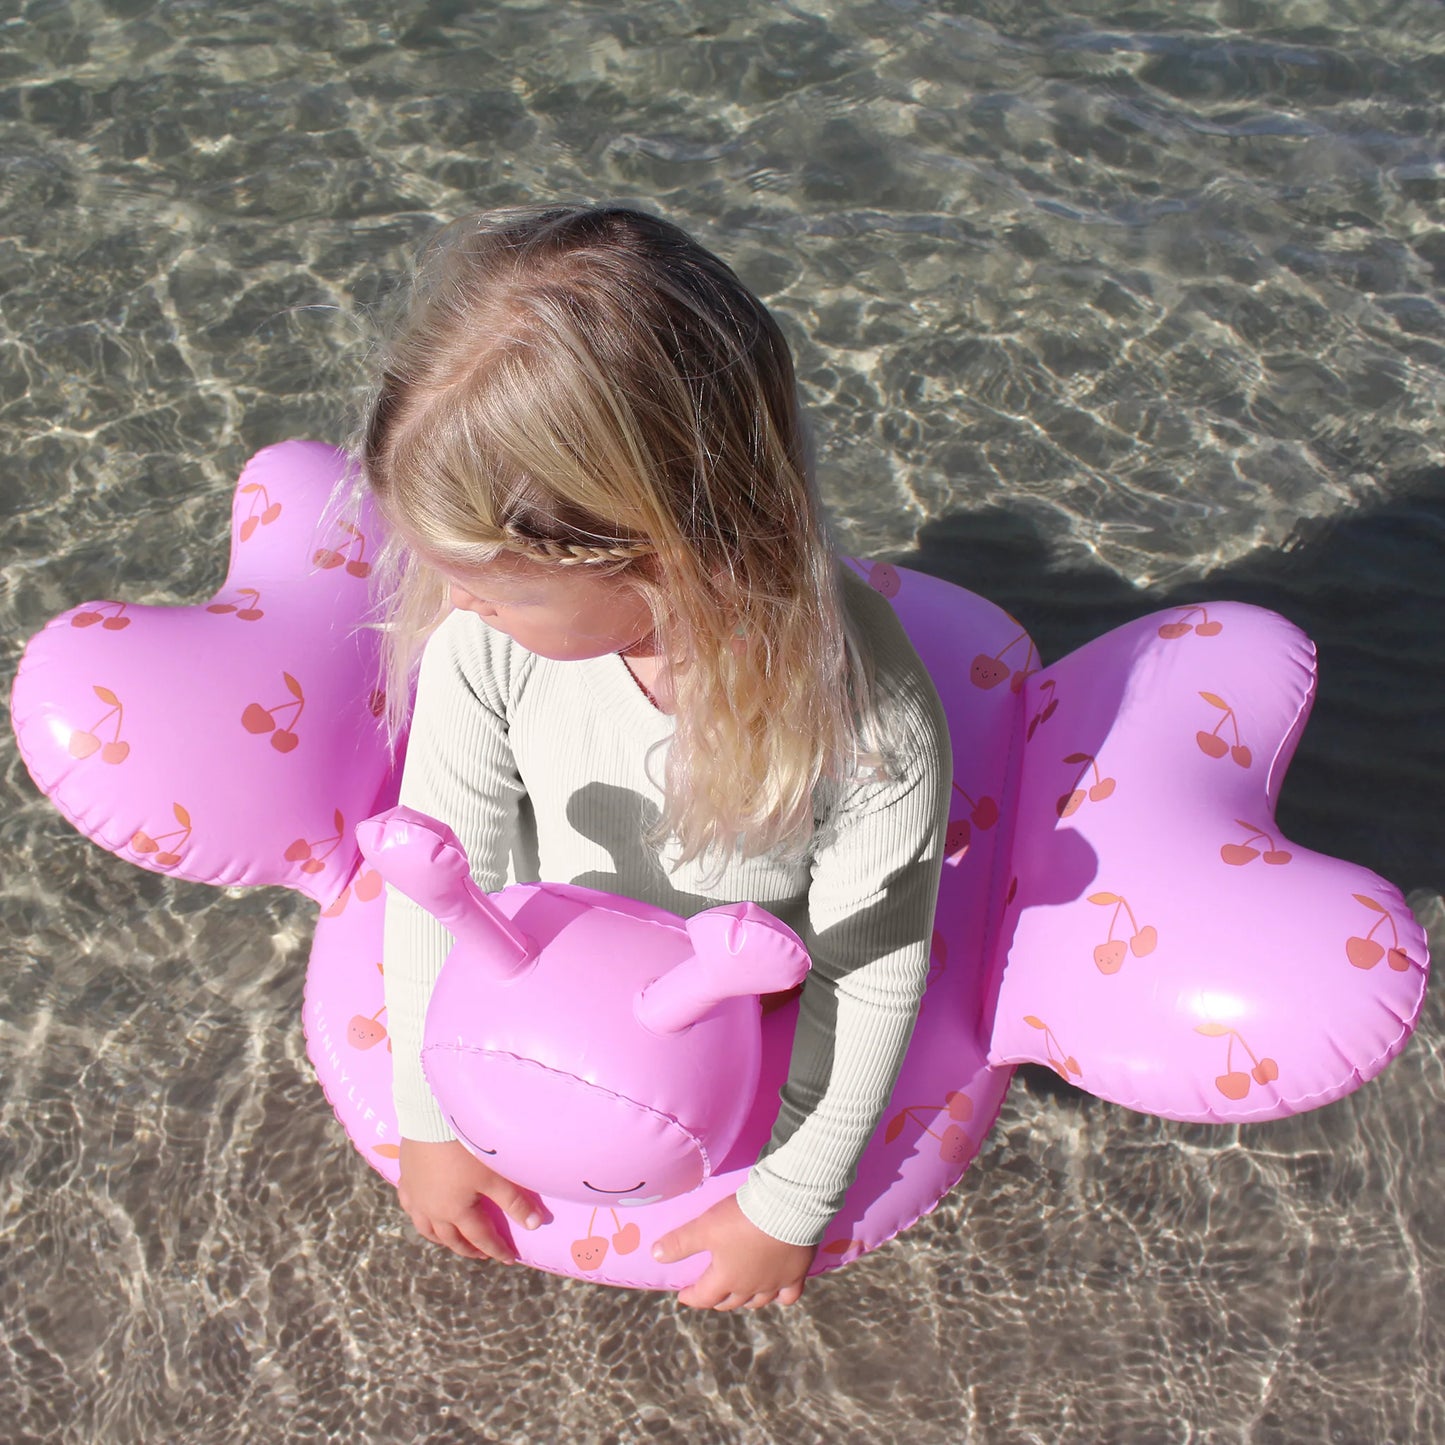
(1097, 306)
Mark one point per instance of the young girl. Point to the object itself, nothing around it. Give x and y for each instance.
(645, 671)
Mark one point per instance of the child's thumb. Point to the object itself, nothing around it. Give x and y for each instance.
(673, 1246)
(520, 1206)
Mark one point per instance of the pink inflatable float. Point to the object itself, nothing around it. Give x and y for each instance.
(1117, 901)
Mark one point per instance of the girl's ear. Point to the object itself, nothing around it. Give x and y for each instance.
(739, 949)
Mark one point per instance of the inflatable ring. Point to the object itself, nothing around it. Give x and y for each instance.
(1117, 900)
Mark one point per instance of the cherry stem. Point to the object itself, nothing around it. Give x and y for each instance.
(999, 656)
(297, 703)
(117, 713)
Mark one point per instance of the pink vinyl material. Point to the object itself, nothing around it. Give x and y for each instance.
(1117, 900)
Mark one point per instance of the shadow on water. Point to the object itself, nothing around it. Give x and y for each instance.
(1368, 586)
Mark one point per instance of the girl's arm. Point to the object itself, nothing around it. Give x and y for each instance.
(460, 770)
(870, 923)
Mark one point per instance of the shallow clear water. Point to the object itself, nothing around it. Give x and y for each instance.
(1098, 306)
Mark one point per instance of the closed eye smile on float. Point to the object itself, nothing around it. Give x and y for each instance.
(471, 1144)
(631, 1190)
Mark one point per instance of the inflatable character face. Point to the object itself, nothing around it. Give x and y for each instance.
(585, 1046)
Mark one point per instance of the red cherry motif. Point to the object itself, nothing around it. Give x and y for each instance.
(261, 510)
(247, 609)
(356, 565)
(365, 886)
(1065, 1065)
(627, 1238)
(1366, 951)
(954, 1146)
(1181, 627)
(1238, 854)
(1099, 791)
(303, 850)
(983, 814)
(588, 1253)
(151, 848)
(365, 1033)
(987, 672)
(368, 885)
(258, 719)
(117, 621)
(884, 579)
(1214, 746)
(1235, 1083)
(1109, 956)
(990, 669)
(1049, 705)
(86, 742)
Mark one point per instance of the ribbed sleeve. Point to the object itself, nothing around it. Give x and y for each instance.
(553, 770)
(870, 913)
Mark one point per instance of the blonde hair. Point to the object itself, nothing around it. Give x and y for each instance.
(590, 387)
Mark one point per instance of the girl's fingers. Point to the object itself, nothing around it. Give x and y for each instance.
(450, 1237)
(483, 1236)
(759, 1300)
(517, 1204)
(790, 1295)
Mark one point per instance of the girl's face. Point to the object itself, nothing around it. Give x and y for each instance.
(563, 613)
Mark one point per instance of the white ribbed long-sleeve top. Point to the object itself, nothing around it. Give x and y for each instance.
(553, 770)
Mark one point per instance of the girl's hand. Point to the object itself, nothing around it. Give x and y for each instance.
(749, 1268)
(445, 1189)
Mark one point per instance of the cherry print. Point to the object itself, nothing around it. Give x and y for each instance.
(1214, 746)
(1110, 955)
(1238, 854)
(85, 742)
(1065, 1065)
(247, 609)
(1235, 1083)
(261, 511)
(1366, 951)
(258, 719)
(165, 857)
(357, 565)
(116, 622)
(1182, 626)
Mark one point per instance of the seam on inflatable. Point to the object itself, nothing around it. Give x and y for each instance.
(1284, 753)
(1001, 868)
(631, 1105)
